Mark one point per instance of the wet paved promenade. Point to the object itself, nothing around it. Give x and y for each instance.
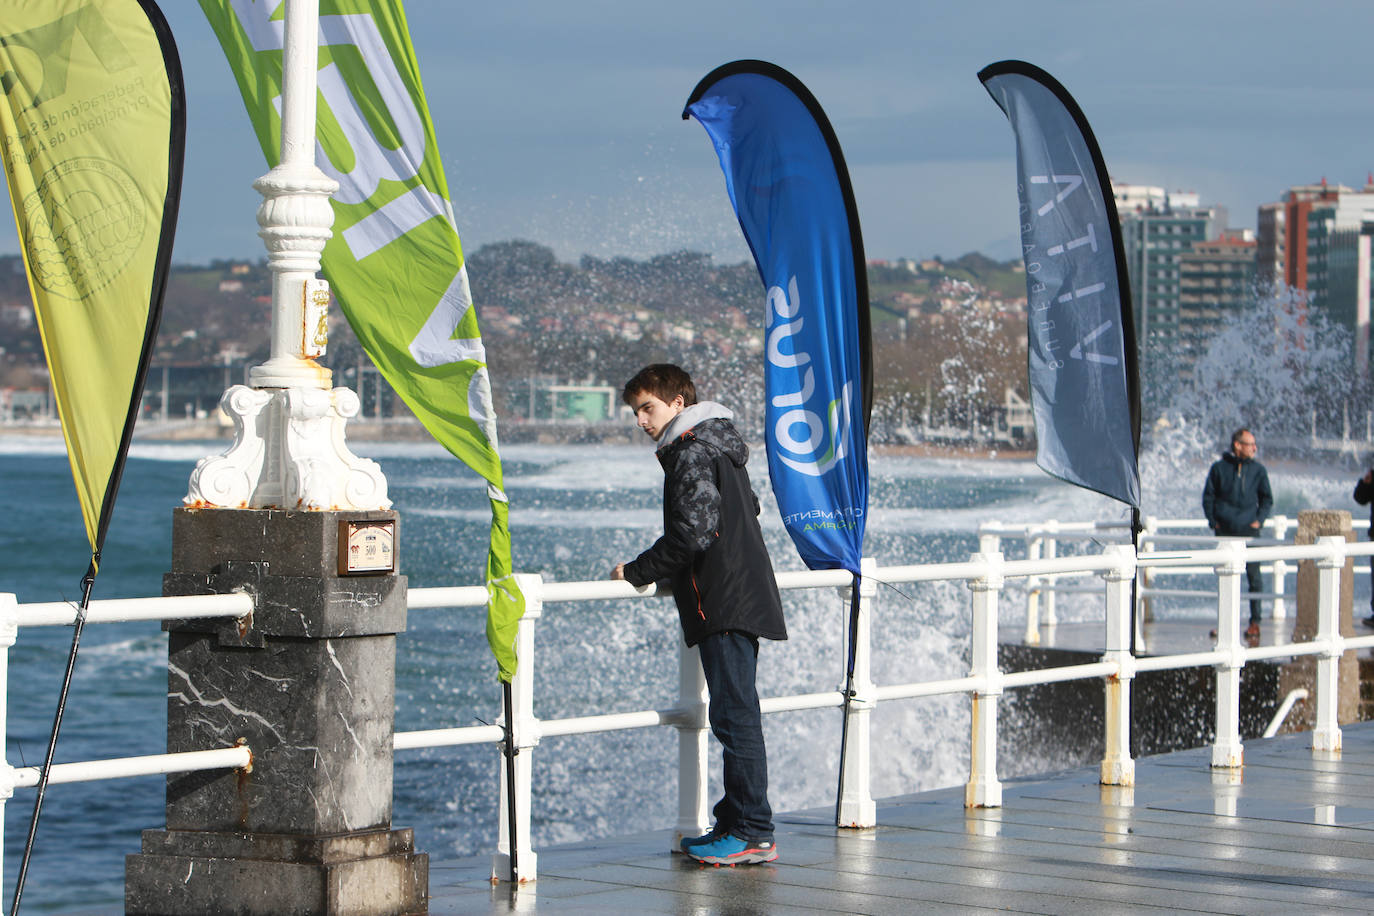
(1292, 831)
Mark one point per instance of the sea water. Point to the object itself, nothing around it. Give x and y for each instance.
(576, 510)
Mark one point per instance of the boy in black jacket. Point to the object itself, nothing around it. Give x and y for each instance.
(713, 557)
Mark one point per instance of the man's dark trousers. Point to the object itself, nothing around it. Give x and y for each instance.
(729, 660)
(1256, 584)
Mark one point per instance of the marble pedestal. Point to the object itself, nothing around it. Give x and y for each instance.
(309, 684)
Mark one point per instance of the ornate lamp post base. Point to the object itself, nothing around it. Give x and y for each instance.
(288, 453)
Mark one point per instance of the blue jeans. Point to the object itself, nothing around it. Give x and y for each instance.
(730, 660)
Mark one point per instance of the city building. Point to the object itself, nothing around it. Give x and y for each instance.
(1134, 197)
(1157, 230)
(1320, 244)
(1216, 280)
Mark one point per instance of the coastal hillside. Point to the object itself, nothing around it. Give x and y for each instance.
(949, 336)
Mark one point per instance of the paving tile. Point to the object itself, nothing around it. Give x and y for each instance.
(1137, 880)
(1292, 830)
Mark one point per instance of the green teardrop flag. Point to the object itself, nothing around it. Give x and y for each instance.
(394, 262)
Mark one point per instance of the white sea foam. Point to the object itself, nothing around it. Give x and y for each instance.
(553, 519)
(192, 452)
(32, 445)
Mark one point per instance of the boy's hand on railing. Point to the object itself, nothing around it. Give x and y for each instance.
(618, 573)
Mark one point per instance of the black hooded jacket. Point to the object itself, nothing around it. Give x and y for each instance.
(711, 553)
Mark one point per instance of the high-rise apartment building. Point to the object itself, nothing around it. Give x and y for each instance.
(1216, 280)
(1156, 234)
(1322, 243)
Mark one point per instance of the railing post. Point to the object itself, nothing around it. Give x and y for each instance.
(1145, 576)
(525, 730)
(9, 632)
(857, 808)
(1326, 734)
(693, 817)
(1050, 551)
(1227, 751)
(1118, 769)
(1034, 542)
(1281, 525)
(983, 789)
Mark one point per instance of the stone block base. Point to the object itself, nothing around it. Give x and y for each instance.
(200, 873)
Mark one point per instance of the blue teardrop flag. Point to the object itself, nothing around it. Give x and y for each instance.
(790, 189)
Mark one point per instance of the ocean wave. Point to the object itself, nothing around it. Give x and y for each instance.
(12, 444)
(558, 518)
(188, 452)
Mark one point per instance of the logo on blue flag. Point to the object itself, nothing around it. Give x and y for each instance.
(827, 426)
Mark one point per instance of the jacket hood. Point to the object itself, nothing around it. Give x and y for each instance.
(708, 422)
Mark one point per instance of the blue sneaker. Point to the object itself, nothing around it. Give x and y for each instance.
(689, 841)
(729, 849)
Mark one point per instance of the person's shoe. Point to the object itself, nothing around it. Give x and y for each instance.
(690, 841)
(728, 849)
(1369, 621)
(1252, 631)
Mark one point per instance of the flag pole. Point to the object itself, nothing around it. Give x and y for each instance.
(1135, 579)
(87, 582)
(510, 750)
(848, 691)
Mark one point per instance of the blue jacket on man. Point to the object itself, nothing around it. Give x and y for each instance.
(1236, 496)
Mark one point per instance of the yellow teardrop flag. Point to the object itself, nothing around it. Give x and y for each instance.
(93, 126)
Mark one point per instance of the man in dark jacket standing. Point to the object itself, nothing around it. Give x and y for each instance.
(713, 557)
(1236, 500)
(1364, 495)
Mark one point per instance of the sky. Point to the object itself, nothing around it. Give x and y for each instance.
(559, 122)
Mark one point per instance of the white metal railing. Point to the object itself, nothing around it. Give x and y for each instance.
(986, 573)
(13, 616)
(1042, 539)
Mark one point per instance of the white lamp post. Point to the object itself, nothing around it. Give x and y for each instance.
(289, 450)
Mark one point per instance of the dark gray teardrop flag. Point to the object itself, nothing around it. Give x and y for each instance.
(1081, 337)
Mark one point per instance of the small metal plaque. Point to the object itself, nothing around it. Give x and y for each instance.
(314, 318)
(367, 547)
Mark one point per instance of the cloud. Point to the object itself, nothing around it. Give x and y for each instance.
(560, 122)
